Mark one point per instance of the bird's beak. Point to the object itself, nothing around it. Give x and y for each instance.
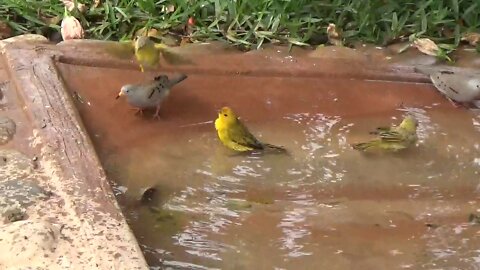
(119, 94)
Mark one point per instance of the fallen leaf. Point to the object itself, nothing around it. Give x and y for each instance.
(71, 28)
(152, 32)
(472, 38)
(334, 37)
(96, 3)
(332, 31)
(70, 5)
(185, 41)
(426, 46)
(168, 8)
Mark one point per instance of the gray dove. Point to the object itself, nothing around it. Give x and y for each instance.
(150, 94)
(461, 85)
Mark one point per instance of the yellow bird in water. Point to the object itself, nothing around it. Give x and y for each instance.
(148, 53)
(235, 135)
(393, 138)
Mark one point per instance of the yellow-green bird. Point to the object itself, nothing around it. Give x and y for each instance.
(236, 136)
(392, 138)
(148, 53)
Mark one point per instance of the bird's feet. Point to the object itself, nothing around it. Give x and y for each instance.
(454, 103)
(458, 104)
(156, 115)
(138, 111)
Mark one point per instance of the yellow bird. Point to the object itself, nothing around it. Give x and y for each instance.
(235, 135)
(148, 53)
(393, 138)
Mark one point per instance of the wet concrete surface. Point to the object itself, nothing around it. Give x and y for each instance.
(324, 207)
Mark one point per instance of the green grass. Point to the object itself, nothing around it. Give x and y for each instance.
(252, 23)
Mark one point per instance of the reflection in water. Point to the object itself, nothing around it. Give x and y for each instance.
(324, 206)
(294, 229)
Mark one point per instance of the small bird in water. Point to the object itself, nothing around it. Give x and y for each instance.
(148, 53)
(236, 136)
(459, 85)
(392, 138)
(150, 94)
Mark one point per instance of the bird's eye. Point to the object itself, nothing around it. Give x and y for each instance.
(225, 114)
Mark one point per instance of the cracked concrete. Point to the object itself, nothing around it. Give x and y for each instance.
(58, 210)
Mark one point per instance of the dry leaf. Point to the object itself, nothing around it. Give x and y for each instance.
(96, 3)
(472, 38)
(168, 9)
(152, 32)
(70, 5)
(426, 46)
(5, 30)
(332, 31)
(185, 41)
(71, 28)
(334, 37)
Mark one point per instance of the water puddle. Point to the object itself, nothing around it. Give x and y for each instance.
(324, 206)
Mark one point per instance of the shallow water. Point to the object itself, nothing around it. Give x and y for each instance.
(324, 206)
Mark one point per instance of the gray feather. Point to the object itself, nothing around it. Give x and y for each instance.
(458, 84)
(152, 93)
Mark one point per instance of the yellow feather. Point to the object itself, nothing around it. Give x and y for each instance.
(146, 54)
(235, 135)
(393, 138)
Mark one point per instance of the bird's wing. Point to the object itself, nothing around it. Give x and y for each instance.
(391, 135)
(171, 55)
(122, 49)
(240, 134)
(379, 129)
(148, 89)
(148, 55)
(461, 87)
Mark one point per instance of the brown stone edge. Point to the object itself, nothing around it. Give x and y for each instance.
(94, 53)
(65, 141)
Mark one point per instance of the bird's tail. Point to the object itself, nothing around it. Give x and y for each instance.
(279, 149)
(427, 70)
(366, 145)
(177, 79)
